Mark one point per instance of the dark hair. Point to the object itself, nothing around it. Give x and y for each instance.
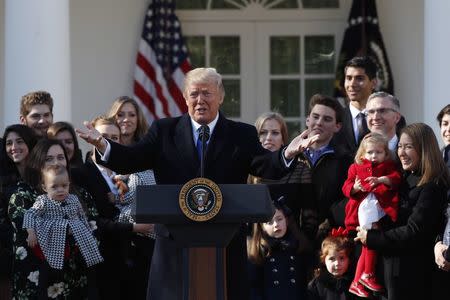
(9, 169)
(431, 165)
(444, 111)
(36, 162)
(329, 102)
(364, 62)
(58, 127)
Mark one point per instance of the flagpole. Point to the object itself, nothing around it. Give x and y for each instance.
(363, 29)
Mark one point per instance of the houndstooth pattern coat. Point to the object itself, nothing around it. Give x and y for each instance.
(53, 220)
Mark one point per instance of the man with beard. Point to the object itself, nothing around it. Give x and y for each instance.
(36, 112)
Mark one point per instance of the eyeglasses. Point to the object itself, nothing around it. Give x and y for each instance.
(381, 111)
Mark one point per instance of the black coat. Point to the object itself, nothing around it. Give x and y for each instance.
(408, 248)
(327, 287)
(283, 273)
(328, 176)
(234, 151)
(114, 236)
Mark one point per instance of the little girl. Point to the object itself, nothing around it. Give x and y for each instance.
(55, 219)
(276, 269)
(332, 279)
(372, 189)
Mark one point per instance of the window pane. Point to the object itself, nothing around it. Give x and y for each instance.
(225, 54)
(286, 4)
(294, 129)
(285, 97)
(284, 55)
(320, 3)
(319, 54)
(317, 86)
(196, 46)
(223, 4)
(191, 4)
(231, 105)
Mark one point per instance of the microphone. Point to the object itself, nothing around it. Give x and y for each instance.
(203, 136)
(203, 133)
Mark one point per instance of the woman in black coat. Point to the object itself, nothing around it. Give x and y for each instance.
(408, 247)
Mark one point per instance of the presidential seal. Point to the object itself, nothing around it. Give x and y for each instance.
(200, 199)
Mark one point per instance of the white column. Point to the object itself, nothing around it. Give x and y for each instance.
(436, 60)
(37, 55)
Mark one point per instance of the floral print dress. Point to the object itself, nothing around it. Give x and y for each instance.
(29, 264)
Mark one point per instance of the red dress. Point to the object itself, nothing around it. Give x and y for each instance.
(387, 196)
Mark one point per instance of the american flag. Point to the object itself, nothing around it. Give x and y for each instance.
(161, 64)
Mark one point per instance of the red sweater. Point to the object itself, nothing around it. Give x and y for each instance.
(386, 196)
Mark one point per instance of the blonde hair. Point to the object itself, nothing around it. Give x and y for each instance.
(103, 120)
(273, 116)
(432, 166)
(372, 138)
(141, 126)
(204, 75)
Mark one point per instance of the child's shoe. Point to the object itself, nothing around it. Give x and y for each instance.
(358, 289)
(370, 282)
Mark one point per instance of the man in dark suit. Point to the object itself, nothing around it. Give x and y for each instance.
(169, 148)
(360, 82)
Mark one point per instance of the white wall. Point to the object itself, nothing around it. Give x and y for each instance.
(401, 23)
(104, 38)
(104, 35)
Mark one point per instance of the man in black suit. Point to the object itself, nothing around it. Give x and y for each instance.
(169, 148)
(360, 82)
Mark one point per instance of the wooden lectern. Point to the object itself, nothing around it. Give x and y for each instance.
(205, 276)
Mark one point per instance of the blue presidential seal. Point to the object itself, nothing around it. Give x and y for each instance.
(200, 199)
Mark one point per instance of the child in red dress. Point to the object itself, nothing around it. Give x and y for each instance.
(372, 189)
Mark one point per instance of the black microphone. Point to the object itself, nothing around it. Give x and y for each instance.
(203, 135)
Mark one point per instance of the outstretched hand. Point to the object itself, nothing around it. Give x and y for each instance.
(92, 136)
(299, 144)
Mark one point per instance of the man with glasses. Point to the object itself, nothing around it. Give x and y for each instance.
(383, 115)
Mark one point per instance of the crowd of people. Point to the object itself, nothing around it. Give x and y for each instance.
(361, 199)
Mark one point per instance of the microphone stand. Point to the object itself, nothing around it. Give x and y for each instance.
(204, 137)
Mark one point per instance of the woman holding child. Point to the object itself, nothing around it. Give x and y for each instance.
(32, 278)
(408, 246)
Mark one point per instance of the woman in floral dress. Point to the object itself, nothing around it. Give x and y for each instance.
(72, 281)
(18, 141)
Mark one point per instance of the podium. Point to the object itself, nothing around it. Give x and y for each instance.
(205, 268)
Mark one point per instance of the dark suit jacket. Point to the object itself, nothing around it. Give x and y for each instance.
(345, 138)
(233, 152)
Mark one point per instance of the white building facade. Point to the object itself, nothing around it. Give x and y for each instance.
(83, 52)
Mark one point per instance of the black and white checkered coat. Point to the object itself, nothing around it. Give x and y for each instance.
(53, 220)
(127, 204)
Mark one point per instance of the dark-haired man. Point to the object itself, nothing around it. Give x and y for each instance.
(360, 82)
(328, 164)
